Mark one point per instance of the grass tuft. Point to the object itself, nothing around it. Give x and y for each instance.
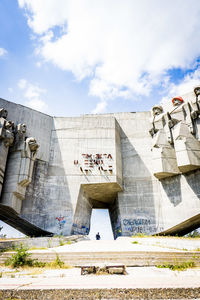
(178, 267)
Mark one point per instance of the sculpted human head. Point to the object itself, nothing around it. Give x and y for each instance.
(21, 128)
(197, 90)
(177, 101)
(32, 144)
(3, 113)
(157, 110)
(9, 125)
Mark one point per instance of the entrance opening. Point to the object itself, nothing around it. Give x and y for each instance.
(100, 222)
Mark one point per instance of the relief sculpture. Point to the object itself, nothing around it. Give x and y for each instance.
(19, 166)
(6, 140)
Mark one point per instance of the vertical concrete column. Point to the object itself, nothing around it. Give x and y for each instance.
(82, 216)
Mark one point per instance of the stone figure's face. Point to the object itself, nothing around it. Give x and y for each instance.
(157, 110)
(3, 113)
(21, 128)
(9, 125)
(197, 90)
(33, 144)
(177, 102)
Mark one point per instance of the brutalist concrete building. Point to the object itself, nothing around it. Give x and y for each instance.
(142, 166)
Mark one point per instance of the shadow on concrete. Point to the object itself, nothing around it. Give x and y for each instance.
(193, 179)
(172, 187)
(47, 202)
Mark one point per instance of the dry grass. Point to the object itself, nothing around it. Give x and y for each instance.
(37, 248)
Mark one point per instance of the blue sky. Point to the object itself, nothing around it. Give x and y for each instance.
(72, 57)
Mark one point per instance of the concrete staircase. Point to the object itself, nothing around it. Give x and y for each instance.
(134, 258)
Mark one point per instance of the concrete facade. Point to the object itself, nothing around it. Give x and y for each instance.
(144, 167)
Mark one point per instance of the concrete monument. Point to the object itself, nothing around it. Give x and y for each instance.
(143, 167)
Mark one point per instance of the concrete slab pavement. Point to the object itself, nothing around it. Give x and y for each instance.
(140, 277)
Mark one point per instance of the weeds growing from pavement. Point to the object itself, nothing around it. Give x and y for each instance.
(178, 267)
(22, 258)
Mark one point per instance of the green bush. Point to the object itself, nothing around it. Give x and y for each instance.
(39, 264)
(20, 258)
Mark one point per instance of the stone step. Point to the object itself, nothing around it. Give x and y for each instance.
(126, 258)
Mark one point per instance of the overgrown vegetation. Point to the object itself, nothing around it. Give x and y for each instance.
(49, 243)
(57, 262)
(178, 267)
(22, 258)
(61, 242)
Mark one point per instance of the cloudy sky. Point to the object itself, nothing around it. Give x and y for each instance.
(72, 57)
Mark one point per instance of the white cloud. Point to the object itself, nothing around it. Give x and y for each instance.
(125, 47)
(100, 108)
(37, 104)
(22, 83)
(2, 51)
(186, 85)
(32, 95)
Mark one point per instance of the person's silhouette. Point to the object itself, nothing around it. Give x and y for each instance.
(98, 236)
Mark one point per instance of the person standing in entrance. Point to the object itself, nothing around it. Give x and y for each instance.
(98, 236)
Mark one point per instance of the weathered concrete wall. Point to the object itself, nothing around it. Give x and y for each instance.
(39, 125)
(110, 161)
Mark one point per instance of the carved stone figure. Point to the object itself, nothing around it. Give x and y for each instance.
(3, 113)
(177, 101)
(176, 145)
(28, 156)
(187, 148)
(20, 131)
(157, 110)
(6, 140)
(19, 167)
(164, 157)
(197, 91)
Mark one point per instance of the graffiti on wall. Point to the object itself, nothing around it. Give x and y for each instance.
(61, 221)
(92, 162)
(80, 230)
(140, 225)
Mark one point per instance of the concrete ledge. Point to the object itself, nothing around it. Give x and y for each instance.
(47, 242)
(156, 293)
